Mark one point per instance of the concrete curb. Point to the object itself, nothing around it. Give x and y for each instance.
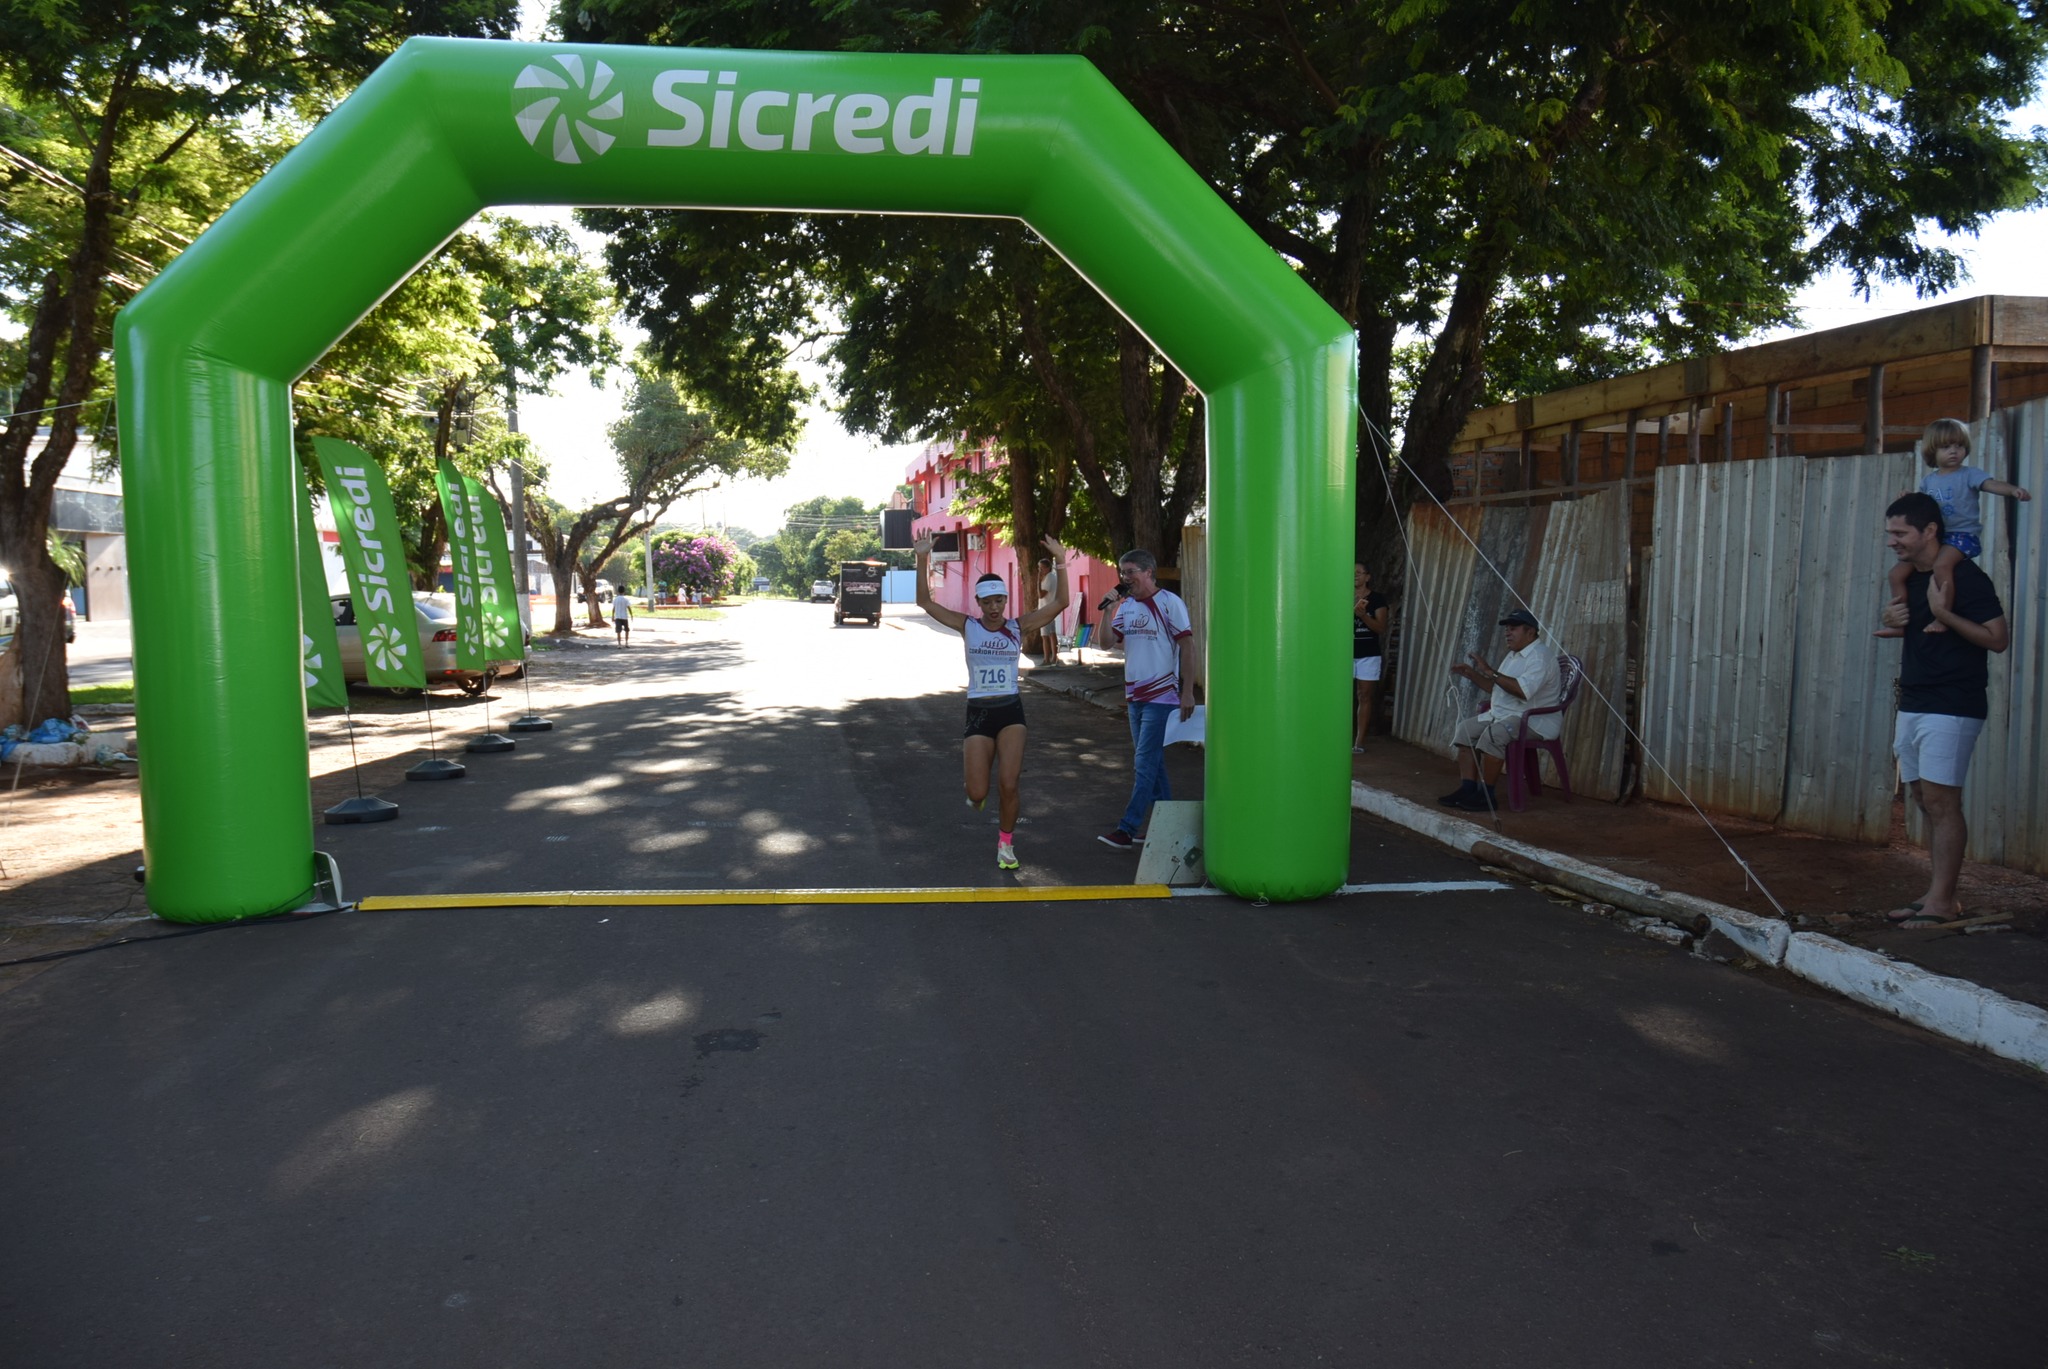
(1955, 1008)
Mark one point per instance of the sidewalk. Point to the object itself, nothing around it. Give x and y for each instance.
(1836, 888)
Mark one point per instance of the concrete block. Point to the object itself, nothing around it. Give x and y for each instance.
(1173, 844)
(1452, 832)
(2017, 1031)
(1955, 1008)
(1761, 938)
(1949, 1006)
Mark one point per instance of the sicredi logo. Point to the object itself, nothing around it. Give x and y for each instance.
(710, 109)
(565, 119)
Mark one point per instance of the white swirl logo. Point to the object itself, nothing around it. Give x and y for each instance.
(385, 648)
(565, 119)
(309, 661)
(495, 634)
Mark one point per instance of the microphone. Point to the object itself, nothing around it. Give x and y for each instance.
(1122, 591)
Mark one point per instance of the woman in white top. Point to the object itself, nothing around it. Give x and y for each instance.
(995, 711)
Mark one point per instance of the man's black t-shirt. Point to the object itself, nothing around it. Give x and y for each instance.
(1940, 672)
(1364, 641)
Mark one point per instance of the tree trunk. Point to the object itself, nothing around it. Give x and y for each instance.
(1022, 459)
(1452, 379)
(426, 573)
(69, 311)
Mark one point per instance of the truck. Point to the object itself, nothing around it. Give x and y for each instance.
(860, 592)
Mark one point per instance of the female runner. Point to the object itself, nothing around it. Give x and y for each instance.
(995, 711)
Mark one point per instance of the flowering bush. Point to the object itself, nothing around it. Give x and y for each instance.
(704, 562)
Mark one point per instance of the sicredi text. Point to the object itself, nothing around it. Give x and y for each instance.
(355, 483)
(800, 121)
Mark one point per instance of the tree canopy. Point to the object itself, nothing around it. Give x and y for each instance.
(1501, 194)
(141, 122)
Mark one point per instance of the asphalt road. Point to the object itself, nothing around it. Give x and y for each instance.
(1427, 1129)
(102, 654)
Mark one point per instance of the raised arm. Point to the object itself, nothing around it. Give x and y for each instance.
(2010, 491)
(1051, 608)
(1992, 636)
(952, 618)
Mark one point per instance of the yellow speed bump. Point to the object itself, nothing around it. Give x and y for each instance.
(660, 898)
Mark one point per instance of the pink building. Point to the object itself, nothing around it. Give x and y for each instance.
(933, 483)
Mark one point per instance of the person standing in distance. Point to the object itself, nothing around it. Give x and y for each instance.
(1050, 647)
(1369, 618)
(1154, 626)
(995, 711)
(622, 617)
(1944, 690)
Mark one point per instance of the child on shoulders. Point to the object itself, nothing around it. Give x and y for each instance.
(1954, 486)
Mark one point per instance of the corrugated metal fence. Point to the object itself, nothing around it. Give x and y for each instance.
(1567, 561)
(1762, 691)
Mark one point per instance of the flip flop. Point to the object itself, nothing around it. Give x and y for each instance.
(1905, 914)
(1920, 921)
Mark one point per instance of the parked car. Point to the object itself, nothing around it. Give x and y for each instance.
(823, 591)
(444, 600)
(437, 647)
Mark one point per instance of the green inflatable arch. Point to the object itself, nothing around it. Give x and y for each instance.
(206, 357)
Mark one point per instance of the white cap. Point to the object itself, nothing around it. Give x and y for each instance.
(989, 586)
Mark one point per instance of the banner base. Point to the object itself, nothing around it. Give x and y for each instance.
(360, 810)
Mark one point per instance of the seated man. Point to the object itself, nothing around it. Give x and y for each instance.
(1527, 679)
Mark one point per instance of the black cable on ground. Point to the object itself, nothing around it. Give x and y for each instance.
(268, 919)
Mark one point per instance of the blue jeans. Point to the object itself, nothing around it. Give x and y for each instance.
(1148, 740)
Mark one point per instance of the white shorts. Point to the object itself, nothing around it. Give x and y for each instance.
(1366, 667)
(1935, 747)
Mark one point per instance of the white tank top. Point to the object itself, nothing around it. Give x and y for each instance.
(992, 659)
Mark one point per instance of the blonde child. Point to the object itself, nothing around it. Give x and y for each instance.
(1955, 487)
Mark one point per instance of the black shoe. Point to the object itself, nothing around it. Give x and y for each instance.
(1476, 803)
(1454, 799)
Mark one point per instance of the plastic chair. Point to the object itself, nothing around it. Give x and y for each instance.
(1524, 759)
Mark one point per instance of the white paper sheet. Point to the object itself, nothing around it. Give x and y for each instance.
(1194, 729)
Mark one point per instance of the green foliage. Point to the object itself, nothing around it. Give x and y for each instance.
(129, 127)
(816, 536)
(68, 557)
(503, 308)
(1543, 191)
(948, 325)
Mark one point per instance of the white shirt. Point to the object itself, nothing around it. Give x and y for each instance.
(1152, 631)
(992, 659)
(1534, 668)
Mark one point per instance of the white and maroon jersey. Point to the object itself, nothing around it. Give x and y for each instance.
(992, 659)
(1152, 631)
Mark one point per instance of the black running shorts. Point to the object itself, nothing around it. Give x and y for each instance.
(988, 717)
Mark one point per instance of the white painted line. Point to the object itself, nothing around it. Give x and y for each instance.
(1441, 886)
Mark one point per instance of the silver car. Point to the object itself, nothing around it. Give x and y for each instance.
(437, 647)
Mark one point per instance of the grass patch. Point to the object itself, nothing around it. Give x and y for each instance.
(686, 613)
(121, 693)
